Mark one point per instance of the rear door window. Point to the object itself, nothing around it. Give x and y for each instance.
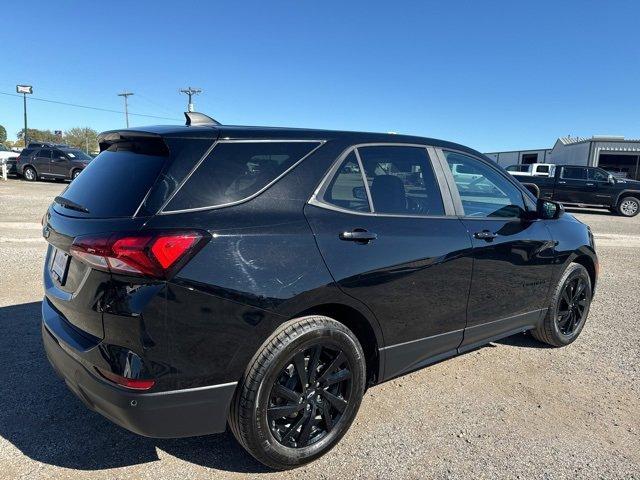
(44, 154)
(401, 180)
(574, 173)
(234, 171)
(346, 189)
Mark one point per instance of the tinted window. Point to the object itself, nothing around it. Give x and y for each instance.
(483, 190)
(543, 168)
(347, 189)
(401, 180)
(77, 154)
(114, 183)
(57, 154)
(26, 152)
(598, 175)
(235, 171)
(44, 153)
(574, 173)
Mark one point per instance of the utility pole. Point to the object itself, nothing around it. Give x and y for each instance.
(24, 90)
(190, 92)
(126, 94)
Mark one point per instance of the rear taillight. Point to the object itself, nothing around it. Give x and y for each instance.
(132, 383)
(156, 255)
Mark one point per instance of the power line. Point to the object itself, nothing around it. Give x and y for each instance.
(87, 106)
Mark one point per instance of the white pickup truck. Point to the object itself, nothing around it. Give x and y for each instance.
(532, 170)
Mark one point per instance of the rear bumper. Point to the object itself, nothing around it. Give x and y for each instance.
(171, 414)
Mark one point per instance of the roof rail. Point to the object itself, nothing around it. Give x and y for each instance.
(196, 119)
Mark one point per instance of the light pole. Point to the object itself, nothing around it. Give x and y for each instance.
(126, 105)
(190, 92)
(25, 90)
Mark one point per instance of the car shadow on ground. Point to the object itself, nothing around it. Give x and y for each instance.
(49, 424)
(523, 340)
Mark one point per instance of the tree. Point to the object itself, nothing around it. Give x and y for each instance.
(3, 134)
(36, 135)
(84, 138)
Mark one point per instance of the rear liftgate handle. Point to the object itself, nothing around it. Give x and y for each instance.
(485, 235)
(358, 235)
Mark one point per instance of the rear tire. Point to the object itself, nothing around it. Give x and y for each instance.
(30, 174)
(75, 174)
(568, 310)
(629, 207)
(312, 370)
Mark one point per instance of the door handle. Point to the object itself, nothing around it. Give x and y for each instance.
(359, 235)
(562, 183)
(485, 235)
(590, 184)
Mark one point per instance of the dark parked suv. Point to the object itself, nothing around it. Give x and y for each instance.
(205, 275)
(51, 162)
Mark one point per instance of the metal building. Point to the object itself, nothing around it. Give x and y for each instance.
(615, 154)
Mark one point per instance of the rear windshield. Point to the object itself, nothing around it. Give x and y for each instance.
(114, 184)
(234, 171)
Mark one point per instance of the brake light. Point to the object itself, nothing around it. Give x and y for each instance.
(132, 383)
(156, 255)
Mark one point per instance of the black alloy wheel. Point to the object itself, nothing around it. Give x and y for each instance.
(309, 396)
(300, 393)
(572, 307)
(568, 309)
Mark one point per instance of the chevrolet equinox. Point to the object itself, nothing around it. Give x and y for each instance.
(204, 275)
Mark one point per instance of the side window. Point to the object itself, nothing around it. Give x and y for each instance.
(543, 168)
(598, 175)
(234, 171)
(574, 173)
(57, 154)
(45, 153)
(401, 180)
(346, 189)
(484, 191)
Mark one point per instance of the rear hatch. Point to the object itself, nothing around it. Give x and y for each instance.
(117, 192)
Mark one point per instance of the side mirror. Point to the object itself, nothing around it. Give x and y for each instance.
(359, 193)
(548, 210)
(611, 179)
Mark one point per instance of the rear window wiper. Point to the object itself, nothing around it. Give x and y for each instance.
(71, 205)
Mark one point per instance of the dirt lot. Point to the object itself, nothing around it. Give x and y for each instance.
(513, 409)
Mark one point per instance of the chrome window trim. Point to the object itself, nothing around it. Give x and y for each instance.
(320, 190)
(320, 143)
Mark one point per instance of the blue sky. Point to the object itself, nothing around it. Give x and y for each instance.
(488, 74)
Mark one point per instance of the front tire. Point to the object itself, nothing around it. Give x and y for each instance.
(75, 174)
(569, 308)
(300, 393)
(629, 207)
(30, 174)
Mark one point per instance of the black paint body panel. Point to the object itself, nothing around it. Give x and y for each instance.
(424, 290)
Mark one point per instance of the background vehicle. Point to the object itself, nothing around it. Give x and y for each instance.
(587, 187)
(8, 157)
(265, 277)
(59, 163)
(533, 169)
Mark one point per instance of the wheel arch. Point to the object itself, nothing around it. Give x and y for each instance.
(361, 327)
(627, 193)
(589, 263)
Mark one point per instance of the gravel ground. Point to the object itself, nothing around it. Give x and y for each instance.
(513, 409)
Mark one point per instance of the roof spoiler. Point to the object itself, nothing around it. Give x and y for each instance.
(200, 119)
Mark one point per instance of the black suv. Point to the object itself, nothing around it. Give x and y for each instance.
(263, 278)
(51, 162)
